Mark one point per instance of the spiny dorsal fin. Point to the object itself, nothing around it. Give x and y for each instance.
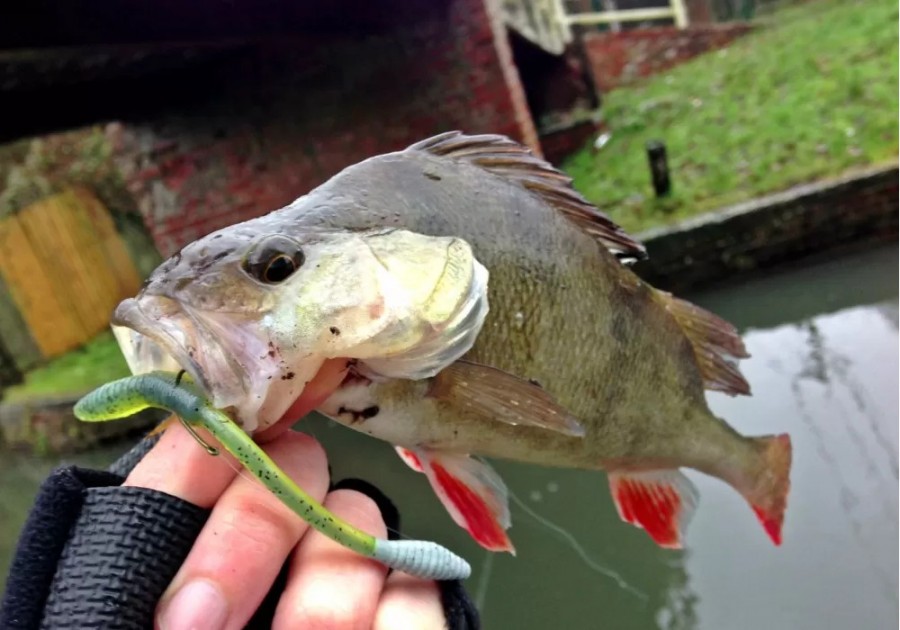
(511, 160)
(717, 345)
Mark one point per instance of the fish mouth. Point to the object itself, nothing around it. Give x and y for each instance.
(159, 333)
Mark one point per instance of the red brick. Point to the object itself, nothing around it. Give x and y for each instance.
(294, 113)
(621, 58)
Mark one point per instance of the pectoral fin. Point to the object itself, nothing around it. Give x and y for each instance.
(499, 395)
(659, 501)
(474, 495)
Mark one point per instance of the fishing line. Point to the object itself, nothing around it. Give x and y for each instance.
(259, 487)
(486, 570)
(579, 550)
(488, 565)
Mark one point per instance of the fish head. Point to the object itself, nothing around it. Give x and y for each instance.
(253, 316)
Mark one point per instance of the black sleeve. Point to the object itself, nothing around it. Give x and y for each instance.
(94, 554)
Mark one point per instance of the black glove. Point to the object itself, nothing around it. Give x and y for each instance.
(95, 554)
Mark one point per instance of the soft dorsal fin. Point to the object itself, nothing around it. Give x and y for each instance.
(717, 345)
(515, 162)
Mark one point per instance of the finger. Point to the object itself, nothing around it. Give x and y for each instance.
(244, 544)
(411, 603)
(328, 585)
(179, 466)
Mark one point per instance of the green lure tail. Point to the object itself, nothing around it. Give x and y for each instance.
(165, 390)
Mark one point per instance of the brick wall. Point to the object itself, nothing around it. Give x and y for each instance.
(281, 117)
(620, 58)
(560, 143)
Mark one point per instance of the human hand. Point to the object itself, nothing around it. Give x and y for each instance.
(250, 534)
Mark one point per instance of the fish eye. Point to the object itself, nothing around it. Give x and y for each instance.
(279, 268)
(273, 259)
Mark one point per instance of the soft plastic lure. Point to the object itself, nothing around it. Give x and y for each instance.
(169, 391)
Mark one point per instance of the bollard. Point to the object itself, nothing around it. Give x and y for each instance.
(659, 168)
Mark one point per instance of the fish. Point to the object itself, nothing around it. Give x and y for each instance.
(460, 300)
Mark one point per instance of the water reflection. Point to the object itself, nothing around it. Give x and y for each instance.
(832, 382)
(824, 368)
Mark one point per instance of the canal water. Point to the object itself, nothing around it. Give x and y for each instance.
(824, 340)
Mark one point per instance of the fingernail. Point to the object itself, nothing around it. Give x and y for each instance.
(198, 605)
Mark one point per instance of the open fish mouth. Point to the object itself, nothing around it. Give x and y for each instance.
(158, 333)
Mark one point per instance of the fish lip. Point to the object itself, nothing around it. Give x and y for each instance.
(233, 364)
(158, 327)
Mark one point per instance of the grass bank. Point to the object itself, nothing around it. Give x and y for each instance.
(811, 94)
(73, 373)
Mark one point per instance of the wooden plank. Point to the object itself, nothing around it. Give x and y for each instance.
(67, 268)
(629, 15)
(91, 276)
(113, 249)
(50, 243)
(33, 292)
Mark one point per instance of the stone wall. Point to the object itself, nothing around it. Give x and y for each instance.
(847, 212)
(621, 58)
(283, 116)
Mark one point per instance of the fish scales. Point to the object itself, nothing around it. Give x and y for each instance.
(564, 312)
(458, 299)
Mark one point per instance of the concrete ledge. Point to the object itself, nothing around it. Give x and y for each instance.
(846, 212)
(48, 425)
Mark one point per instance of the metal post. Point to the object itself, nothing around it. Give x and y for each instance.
(659, 168)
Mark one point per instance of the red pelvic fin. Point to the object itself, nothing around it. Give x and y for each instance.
(470, 490)
(659, 501)
(409, 458)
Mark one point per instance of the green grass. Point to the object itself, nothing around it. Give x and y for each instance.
(812, 93)
(75, 372)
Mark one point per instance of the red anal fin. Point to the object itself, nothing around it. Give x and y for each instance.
(472, 493)
(661, 502)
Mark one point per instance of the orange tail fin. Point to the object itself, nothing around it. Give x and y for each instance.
(768, 491)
